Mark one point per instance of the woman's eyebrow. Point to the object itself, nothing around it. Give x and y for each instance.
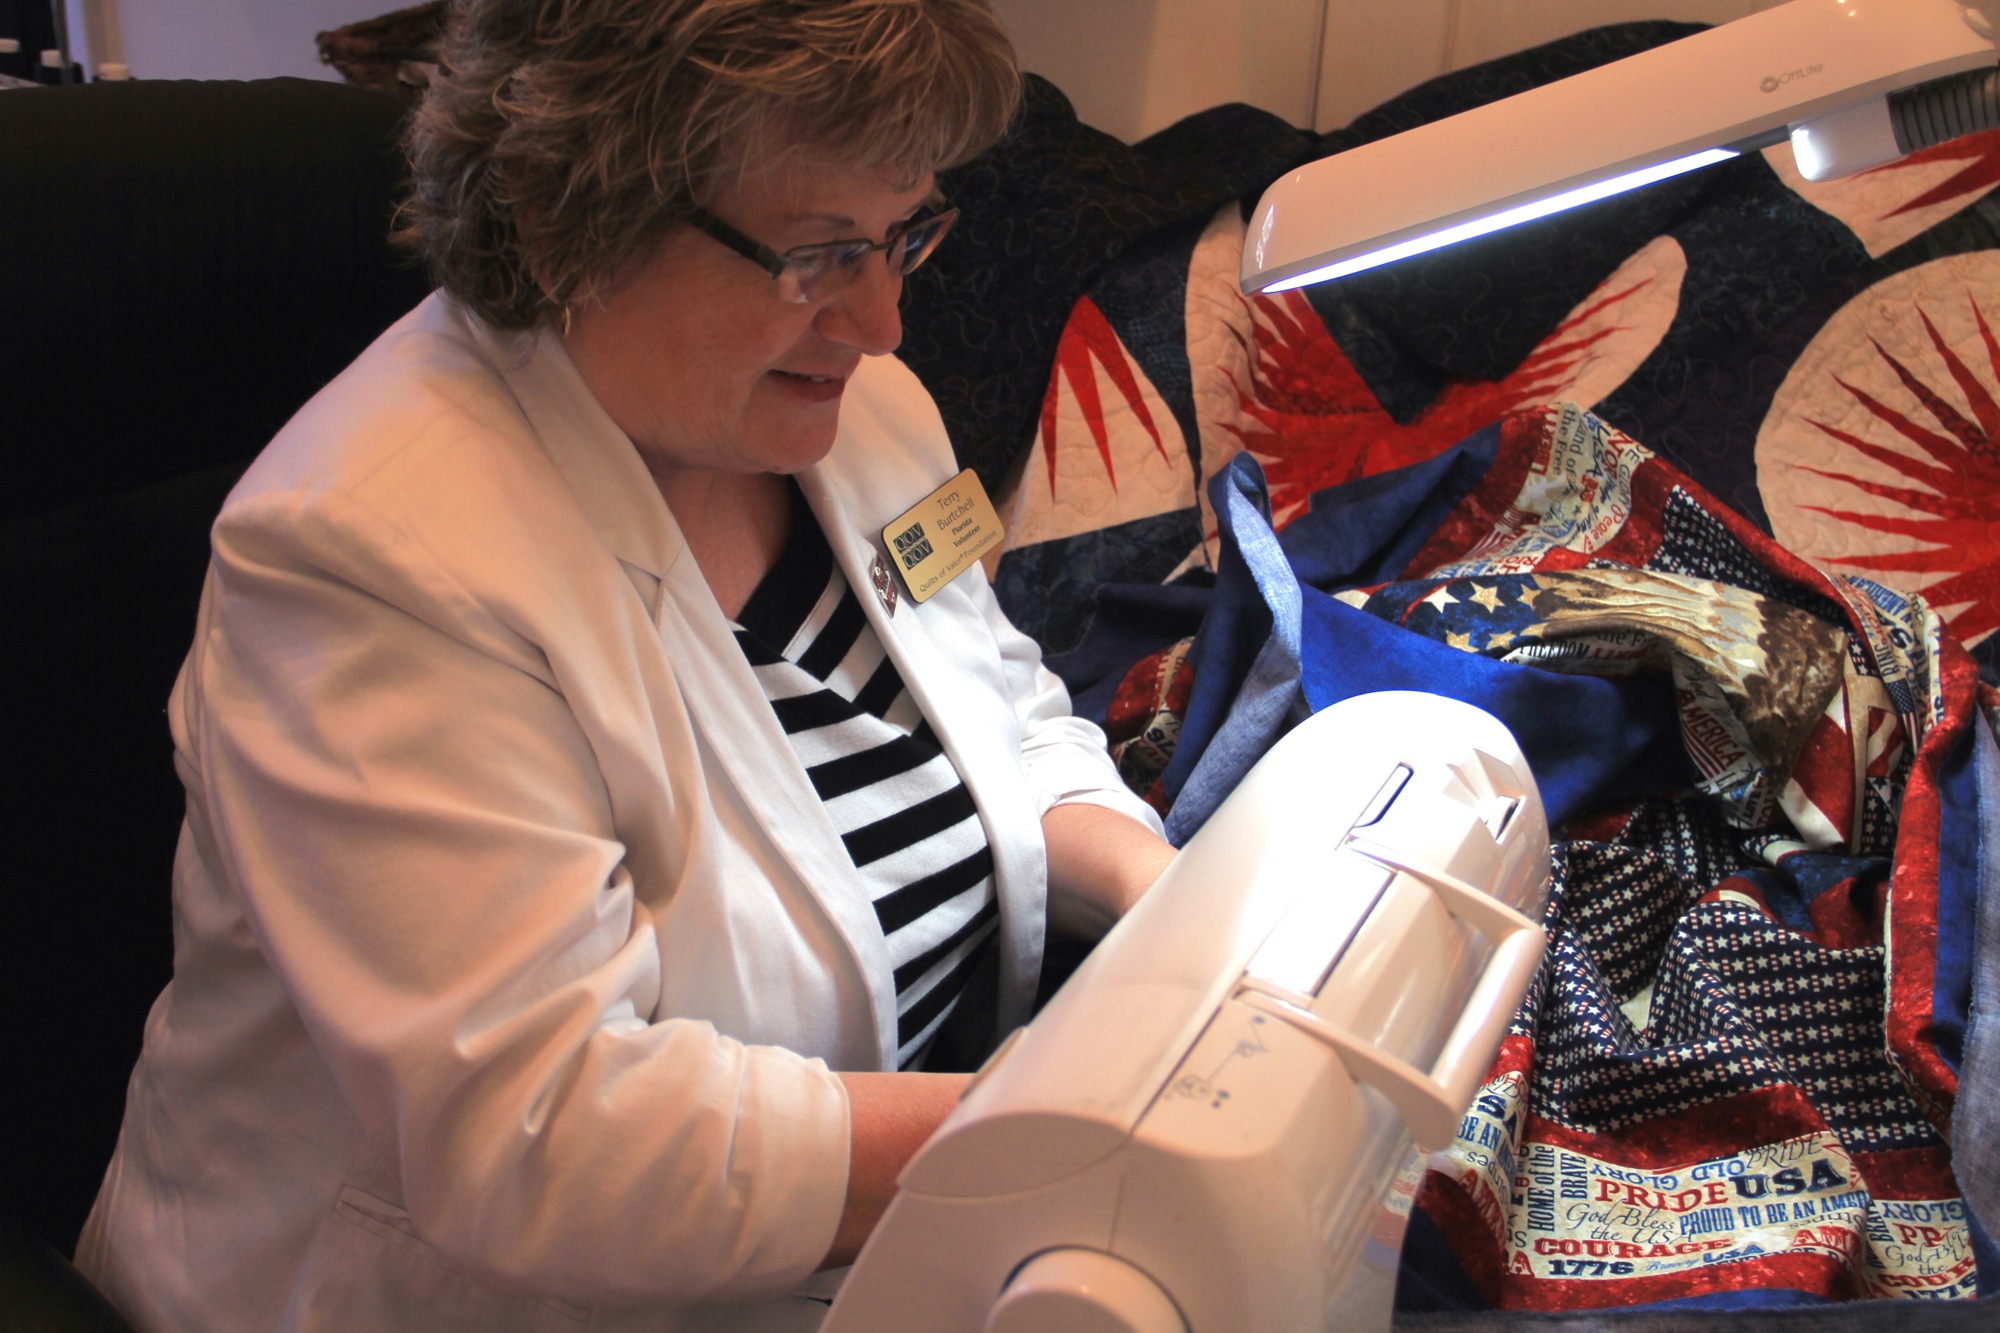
(842, 220)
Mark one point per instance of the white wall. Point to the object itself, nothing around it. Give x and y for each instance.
(1374, 50)
(216, 39)
(1134, 66)
(1131, 66)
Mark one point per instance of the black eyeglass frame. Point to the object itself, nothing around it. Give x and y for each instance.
(787, 264)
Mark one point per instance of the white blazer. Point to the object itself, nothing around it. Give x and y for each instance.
(513, 949)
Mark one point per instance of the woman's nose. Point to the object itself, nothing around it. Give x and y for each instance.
(863, 314)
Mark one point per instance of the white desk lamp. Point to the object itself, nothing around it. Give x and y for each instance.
(1854, 83)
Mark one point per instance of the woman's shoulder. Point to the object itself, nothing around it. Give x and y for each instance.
(433, 453)
(434, 383)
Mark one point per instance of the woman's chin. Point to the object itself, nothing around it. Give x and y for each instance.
(799, 447)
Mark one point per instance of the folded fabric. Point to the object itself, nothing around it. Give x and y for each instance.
(1586, 737)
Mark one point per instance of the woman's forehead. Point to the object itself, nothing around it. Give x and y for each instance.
(801, 190)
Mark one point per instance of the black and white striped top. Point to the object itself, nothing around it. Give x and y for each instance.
(892, 792)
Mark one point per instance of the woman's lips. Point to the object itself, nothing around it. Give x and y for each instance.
(812, 388)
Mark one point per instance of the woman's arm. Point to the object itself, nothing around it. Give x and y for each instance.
(890, 1116)
(419, 828)
(1100, 862)
(1104, 844)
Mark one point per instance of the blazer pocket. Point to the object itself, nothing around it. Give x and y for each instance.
(369, 1269)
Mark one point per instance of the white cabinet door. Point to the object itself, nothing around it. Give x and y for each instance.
(1135, 66)
(1373, 50)
(1489, 28)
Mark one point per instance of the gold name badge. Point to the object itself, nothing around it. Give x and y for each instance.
(944, 535)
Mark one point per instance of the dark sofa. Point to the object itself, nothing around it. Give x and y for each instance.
(188, 262)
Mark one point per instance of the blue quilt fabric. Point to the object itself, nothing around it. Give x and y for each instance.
(1269, 654)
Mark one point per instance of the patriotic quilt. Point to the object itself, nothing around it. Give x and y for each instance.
(1699, 491)
(1733, 1082)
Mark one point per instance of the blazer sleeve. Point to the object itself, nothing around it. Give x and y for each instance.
(424, 846)
(1065, 756)
(899, 430)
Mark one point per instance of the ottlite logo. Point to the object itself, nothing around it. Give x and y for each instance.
(1773, 82)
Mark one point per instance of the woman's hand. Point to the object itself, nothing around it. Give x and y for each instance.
(1100, 863)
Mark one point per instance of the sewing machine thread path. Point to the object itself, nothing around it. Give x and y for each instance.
(1205, 1129)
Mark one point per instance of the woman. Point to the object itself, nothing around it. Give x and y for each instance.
(571, 788)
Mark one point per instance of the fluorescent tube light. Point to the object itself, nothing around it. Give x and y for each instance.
(1465, 231)
(1803, 67)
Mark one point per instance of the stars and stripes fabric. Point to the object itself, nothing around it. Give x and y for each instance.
(892, 792)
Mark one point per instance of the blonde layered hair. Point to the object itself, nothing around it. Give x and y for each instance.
(561, 139)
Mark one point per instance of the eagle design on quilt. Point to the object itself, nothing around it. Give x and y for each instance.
(1268, 378)
(1275, 382)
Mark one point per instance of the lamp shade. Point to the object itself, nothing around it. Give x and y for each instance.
(1675, 108)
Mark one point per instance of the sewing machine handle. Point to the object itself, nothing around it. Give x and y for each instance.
(1431, 1104)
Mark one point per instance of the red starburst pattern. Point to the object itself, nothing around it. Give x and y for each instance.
(1317, 424)
(1087, 338)
(1954, 510)
(1979, 152)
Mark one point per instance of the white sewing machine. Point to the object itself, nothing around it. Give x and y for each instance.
(1205, 1129)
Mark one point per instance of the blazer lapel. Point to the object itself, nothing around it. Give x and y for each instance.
(725, 704)
(864, 484)
(743, 738)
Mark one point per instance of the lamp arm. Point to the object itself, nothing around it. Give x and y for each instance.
(1948, 108)
(1854, 84)
(1884, 129)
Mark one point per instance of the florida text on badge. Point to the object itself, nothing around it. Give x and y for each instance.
(943, 535)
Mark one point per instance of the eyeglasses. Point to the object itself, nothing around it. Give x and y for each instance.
(808, 272)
